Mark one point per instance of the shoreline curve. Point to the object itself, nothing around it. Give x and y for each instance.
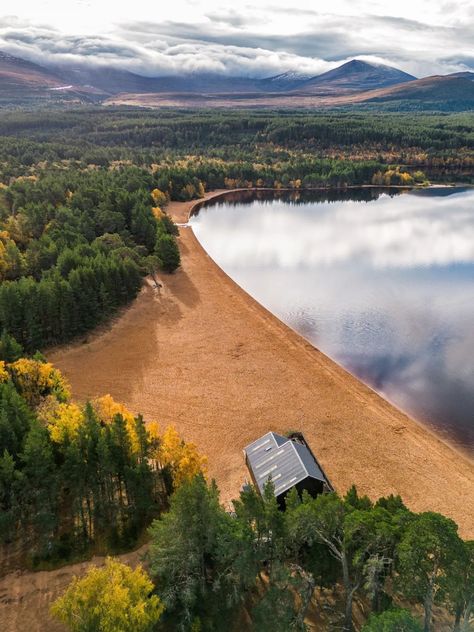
(198, 204)
(206, 356)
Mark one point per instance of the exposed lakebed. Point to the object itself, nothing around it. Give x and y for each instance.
(381, 281)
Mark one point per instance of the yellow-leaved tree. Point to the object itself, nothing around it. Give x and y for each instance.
(157, 212)
(405, 178)
(182, 458)
(36, 380)
(12, 261)
(159, 197)
(4, 375)
(106, 408)
(62, 419)
(115, 598)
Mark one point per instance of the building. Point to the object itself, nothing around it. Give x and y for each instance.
(289, 462)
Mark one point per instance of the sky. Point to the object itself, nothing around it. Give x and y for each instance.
(256, 39)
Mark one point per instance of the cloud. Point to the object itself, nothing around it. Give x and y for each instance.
(253, 41)
(309, 44)
(163, 53)
(229, 18)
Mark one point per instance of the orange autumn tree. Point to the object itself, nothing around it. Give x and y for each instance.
(106, 408)
(159, 197)
(4, 375)
(167, 451)
(157, 212)
(63, 420)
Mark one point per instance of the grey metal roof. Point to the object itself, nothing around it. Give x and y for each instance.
(308, 461)
(285, 461)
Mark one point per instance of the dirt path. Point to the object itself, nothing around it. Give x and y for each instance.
(206, 357)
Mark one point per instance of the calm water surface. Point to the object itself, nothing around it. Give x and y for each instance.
(382, 282)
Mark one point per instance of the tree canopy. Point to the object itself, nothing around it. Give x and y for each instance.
(72, 476)
(207, 563)
(109, 599)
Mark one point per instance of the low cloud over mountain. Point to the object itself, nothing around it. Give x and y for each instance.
(255, 40)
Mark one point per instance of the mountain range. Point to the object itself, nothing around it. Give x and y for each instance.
(354, 82)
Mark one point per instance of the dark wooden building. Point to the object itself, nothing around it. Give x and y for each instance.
(288, 462)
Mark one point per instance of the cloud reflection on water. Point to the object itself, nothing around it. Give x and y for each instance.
(384, 287)
(401, 232)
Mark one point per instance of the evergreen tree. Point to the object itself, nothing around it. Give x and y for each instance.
(40, 487)
(167, 251)
(15, 420)
(184, 550)
(460, 588)
(392, 621)
(10, 479)
(10, 349)
(428, 553)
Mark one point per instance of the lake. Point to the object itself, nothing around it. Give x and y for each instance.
(382, 281)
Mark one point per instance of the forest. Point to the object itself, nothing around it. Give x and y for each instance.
(81, 222)
(83, 197)
(76, 478)
(241, 145)
(94, 478)
(73, 249)
(259, 568)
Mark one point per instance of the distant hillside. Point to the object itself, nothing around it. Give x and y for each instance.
(352, 83)
(20, 75)
(20, 78)
(445, 93)
(285, 81)
(354, 76)
(448, 88)
(115, 81)
(466, 75)
(108, 80)
(24, 81)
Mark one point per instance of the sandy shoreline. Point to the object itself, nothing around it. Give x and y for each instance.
(208, 358)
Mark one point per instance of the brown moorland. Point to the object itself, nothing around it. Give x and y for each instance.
(448, 89)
